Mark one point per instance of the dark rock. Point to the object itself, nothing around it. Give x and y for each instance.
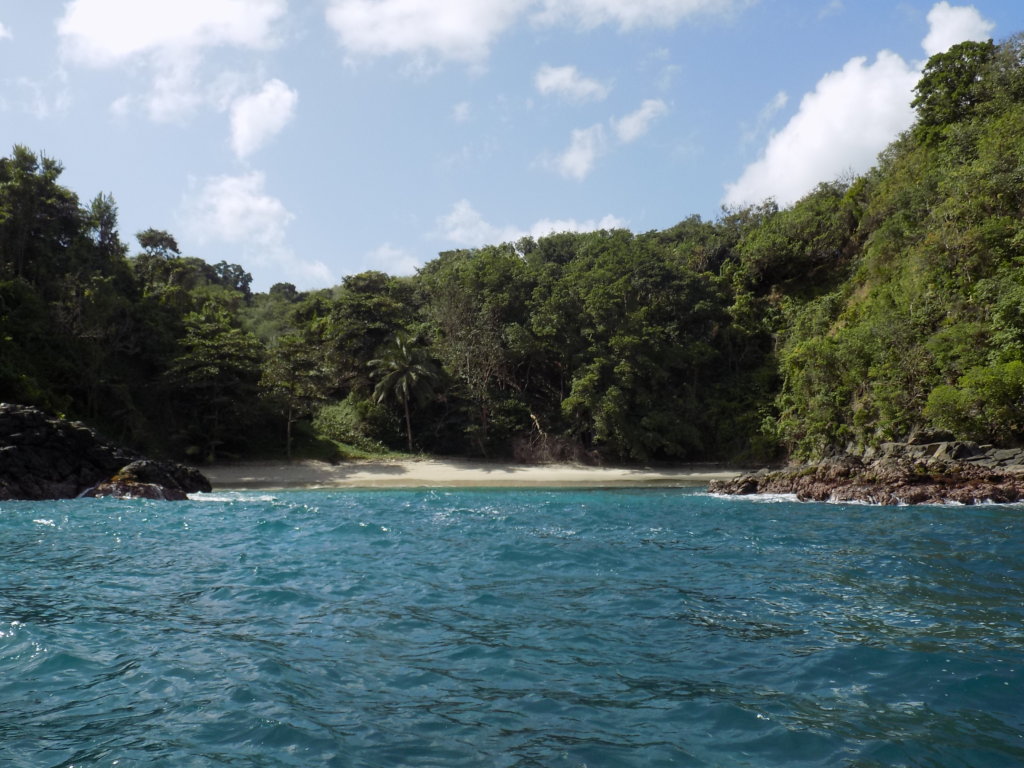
(148, 479)
(1005, 455)
(130, 490)
(895, 474)
(42, 457)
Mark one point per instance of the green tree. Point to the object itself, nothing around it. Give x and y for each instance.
(405, 374)
(294, 380)
(951, 85)
(214, 380)
(986, 404)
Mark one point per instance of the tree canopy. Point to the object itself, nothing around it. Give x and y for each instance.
(875, 308)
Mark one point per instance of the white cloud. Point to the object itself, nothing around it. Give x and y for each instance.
(628, 14)
(465, 30)
(4, 32)
(168, 36)
(464, 226)
(461, 112)
(586, 145)
(258, 117)
(636, 124)
(950, 25)
(584, 148)
(459, 30)
(546, 227)
(765, 116)
(236, 210)
(568, 82)
(849, 118)
(176, 91)
(102, 33)
(392, 260)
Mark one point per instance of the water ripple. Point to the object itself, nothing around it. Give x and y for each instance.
(534, 628)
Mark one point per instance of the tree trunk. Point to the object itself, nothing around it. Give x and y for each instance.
(288, 435)
(408, 423)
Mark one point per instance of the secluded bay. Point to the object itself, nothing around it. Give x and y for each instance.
(642, 627)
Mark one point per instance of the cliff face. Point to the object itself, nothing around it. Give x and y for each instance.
(897, 473)
(43, 457)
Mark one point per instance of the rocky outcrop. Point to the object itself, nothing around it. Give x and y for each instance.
(42, 457)
(148, 479)
(897, 473)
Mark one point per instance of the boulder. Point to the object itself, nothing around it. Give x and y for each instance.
(148, 479)
(44, 457)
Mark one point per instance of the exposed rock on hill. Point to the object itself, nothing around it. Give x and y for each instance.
(42, 457)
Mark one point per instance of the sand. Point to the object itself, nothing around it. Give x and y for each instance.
(453, 473)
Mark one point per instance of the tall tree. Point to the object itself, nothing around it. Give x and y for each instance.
(294, 379)
(405, 374)
(215, 378)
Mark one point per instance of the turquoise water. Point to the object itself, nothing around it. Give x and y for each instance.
(509, 628)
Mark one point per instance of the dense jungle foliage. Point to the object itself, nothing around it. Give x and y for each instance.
(875, 308)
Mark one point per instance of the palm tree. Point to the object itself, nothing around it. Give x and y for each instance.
(406, 373)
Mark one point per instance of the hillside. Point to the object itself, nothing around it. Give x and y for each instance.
(876, 308)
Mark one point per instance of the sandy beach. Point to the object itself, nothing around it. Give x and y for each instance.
(450, 473)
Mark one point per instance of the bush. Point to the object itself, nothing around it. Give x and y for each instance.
(987, 404)
(355, 421)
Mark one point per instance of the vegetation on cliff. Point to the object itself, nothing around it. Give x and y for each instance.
(875, 308)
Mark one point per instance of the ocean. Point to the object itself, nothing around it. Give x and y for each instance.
(647, 627)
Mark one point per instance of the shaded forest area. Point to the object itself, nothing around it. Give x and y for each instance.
(876, 308)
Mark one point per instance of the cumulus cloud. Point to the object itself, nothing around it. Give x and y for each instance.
(466, 227)
(258, 117)
(950, 25)
(168, 36)
(636, 124)
(102, 33)
(4, 31)
(459, 30)
(568, 82)
(238, 211)
(465, 30)
(849, 118)
(578, 160)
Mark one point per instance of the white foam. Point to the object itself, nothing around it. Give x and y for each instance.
(231, 496)
(757, 498)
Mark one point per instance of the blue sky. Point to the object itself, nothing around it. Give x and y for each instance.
(309, 140)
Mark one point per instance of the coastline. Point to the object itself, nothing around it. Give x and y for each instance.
(451, 473)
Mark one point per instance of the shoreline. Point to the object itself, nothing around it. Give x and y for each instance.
(452, 473)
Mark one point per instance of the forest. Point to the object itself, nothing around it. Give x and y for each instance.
(878, 307)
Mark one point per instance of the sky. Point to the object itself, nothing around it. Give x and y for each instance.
(308, 140)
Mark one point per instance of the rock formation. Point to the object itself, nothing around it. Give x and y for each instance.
(42, 457)
(897, 473)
